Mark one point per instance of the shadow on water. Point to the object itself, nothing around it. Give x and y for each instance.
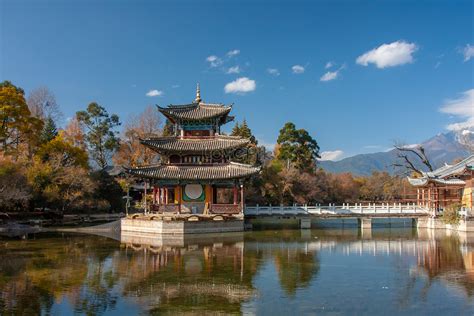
(217, 273)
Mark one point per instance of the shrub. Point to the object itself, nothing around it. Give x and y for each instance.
(451, 214)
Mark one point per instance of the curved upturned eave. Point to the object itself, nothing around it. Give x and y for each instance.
(194, 111)
(421, 182)
(227, 171)
(189, 145)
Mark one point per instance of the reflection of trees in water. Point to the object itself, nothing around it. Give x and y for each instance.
(99, 297)
(36, 273)
(296, 266)
(296, 269)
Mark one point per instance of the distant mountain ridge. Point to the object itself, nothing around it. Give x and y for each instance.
(440, 149)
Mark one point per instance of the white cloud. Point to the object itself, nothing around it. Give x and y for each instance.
(233, 52)
(240, 85)
(234, 70)
(329, 64)
(330, 75)
(332, 155)
(462, 107)
(468, 52)
(297, 69)
(175, 86)
(389, 55)
(214, 61)
(273, 71)
(154, 93)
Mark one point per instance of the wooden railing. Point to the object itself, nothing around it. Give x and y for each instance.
(168, 208)
(225, 209)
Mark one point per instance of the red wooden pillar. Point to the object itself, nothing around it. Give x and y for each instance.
(423, 197)
(235, 195)
(155, 190)
(241, 198)
(166, 195)
(179, 198)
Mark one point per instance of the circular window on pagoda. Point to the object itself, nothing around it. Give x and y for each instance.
(193, 191)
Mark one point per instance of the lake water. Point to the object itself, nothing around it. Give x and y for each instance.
(331, 271)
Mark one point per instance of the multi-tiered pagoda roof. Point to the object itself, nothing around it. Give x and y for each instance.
(197, 151)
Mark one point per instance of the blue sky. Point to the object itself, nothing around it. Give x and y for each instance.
(357, 74)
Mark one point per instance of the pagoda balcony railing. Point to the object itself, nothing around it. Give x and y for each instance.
(197, 163)
(220, 209)
(225, 209)
(166, 208)
(199, 137)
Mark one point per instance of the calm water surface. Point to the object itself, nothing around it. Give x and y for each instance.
(391, 271)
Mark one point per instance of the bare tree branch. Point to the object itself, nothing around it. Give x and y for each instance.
(407, 163)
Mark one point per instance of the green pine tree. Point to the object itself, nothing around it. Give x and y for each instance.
(246, 132)
(49, 131)
(168, 129)
(296, 146)
(236, 130)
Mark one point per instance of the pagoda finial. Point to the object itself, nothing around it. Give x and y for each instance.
(198, 94)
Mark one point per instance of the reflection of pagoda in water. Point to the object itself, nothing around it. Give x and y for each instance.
(196, 174)
(204, 275)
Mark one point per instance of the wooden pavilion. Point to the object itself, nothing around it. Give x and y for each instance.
(450, 184)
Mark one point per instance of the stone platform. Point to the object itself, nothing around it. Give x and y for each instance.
(178, 224)
(437, 223)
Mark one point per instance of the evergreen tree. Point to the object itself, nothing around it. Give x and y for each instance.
(236, 130)
(297, 147)
(101, 137)
(49, 131)
(250, 154)
(168, 129)
(246, 132)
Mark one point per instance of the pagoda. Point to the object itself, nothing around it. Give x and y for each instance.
(196, 174)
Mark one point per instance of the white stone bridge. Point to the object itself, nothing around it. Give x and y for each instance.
(344, 210)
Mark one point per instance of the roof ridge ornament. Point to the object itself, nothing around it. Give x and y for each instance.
(198, 94)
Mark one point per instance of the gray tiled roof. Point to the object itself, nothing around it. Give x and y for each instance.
(194, 145)
(448, 170)
(195, 172)
(423, 181)
(445, 174)
(195, 111)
